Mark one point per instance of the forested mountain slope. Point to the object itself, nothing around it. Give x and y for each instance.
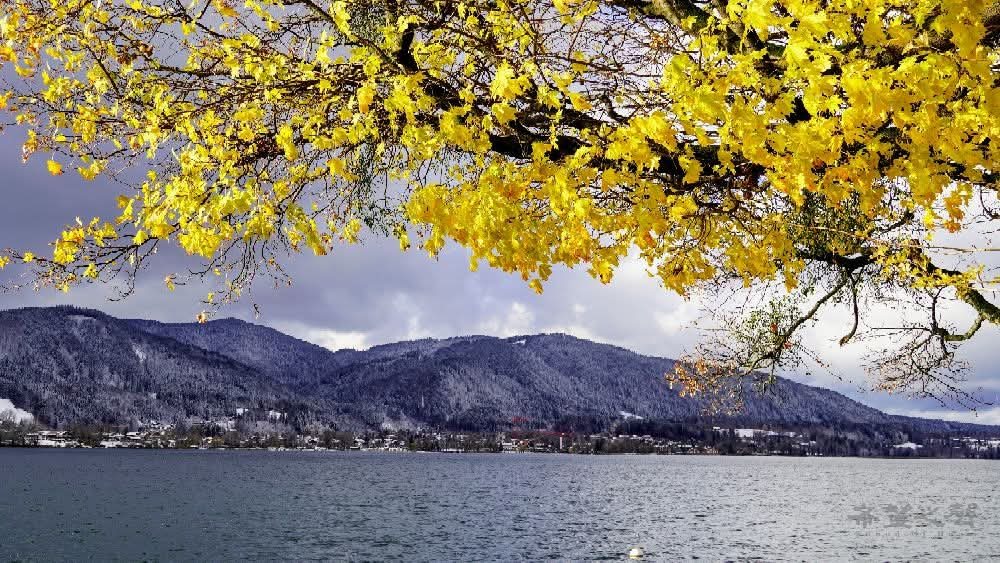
(70, 366)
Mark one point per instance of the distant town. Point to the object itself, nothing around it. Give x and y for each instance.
(631, 435)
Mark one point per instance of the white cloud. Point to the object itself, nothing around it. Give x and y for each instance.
(985, 416)
(674, 321)
(518, 319)
(406, 307)
(7, 408)
(329, 339)
(339, 340)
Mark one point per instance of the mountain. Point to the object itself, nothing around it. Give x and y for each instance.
(72, 366)
(485, 382)
(69, 366)
(280, 357)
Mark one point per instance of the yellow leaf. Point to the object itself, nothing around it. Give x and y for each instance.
(506, 84)
(692, 168)
(504, 113)
(87, 174)
(579, 101)
(565, 6)
(225, 9)
(341, 17)
(54, 168)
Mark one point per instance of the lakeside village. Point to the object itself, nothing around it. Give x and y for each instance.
(631, 435)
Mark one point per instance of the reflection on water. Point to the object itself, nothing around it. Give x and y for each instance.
(157, 505)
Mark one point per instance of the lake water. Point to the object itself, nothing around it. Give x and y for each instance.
(221, 506)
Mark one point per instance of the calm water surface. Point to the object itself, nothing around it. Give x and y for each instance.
(221, 506)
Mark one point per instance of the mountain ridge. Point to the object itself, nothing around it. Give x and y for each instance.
(69, 365)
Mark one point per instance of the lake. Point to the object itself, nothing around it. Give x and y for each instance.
(77, 505)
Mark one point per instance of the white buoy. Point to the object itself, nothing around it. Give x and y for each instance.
(636, 553)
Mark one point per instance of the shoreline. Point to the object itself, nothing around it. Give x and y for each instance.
(490, 453)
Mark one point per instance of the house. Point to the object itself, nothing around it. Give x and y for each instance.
(52, 439)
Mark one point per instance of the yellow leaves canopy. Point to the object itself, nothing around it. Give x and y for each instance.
(716, 140)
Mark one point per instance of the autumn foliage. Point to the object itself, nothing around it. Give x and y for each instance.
(820, 146)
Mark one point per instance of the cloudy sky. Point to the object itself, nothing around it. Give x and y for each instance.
(372, 293)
